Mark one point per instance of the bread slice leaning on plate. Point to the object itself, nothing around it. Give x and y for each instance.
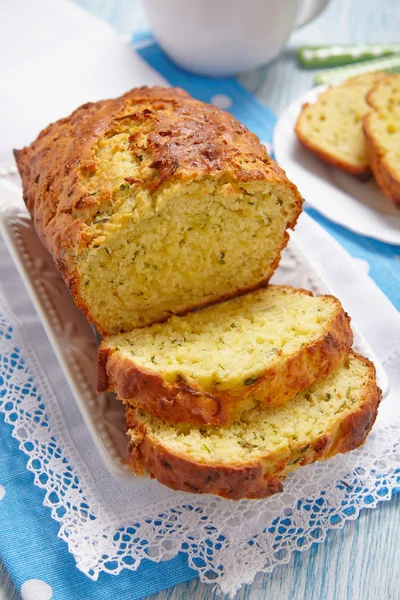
(209, 366)
(332, 127)
(382, 131)
(252, 457)
(155, 203)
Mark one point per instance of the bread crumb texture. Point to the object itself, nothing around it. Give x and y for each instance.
(332, 127)
(191, 246)
(271, 434)
(231, 344)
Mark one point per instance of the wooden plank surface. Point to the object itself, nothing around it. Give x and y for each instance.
(361, 561)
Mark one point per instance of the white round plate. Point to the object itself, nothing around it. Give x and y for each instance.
(359, 206)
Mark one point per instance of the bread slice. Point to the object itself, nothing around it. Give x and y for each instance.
(382, 131)
(251, 458)
(154, 203)
(332, 127)
(209, 366)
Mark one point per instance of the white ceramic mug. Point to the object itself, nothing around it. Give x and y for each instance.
(220, 38)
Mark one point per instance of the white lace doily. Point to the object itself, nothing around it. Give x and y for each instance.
(109, 526)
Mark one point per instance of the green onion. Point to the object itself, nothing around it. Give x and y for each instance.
(250, 380)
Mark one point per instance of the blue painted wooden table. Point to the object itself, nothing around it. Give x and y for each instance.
(361, 561)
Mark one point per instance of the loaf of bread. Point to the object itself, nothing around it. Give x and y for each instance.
(382, 131)
(252, 457)
(155, 203)
(210, 366)
(332, 127)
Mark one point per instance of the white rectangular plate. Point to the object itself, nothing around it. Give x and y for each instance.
(75, 341)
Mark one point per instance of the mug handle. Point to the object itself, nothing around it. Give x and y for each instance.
(309, 9)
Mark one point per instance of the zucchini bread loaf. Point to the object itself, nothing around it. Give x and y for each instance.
(210, 366)
(155, 203)
(252, 457)
(382, 131)
(332, 127)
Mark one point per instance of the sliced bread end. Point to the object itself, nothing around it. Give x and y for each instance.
(262, 348)
(251, 458)
(382, 132)
(332, 128)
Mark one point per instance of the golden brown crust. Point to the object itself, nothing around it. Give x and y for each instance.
(187, 476)
(183, 402)
(361, 172)
(183, 138)
(386, 179)
(389, 183)
(252, 480)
